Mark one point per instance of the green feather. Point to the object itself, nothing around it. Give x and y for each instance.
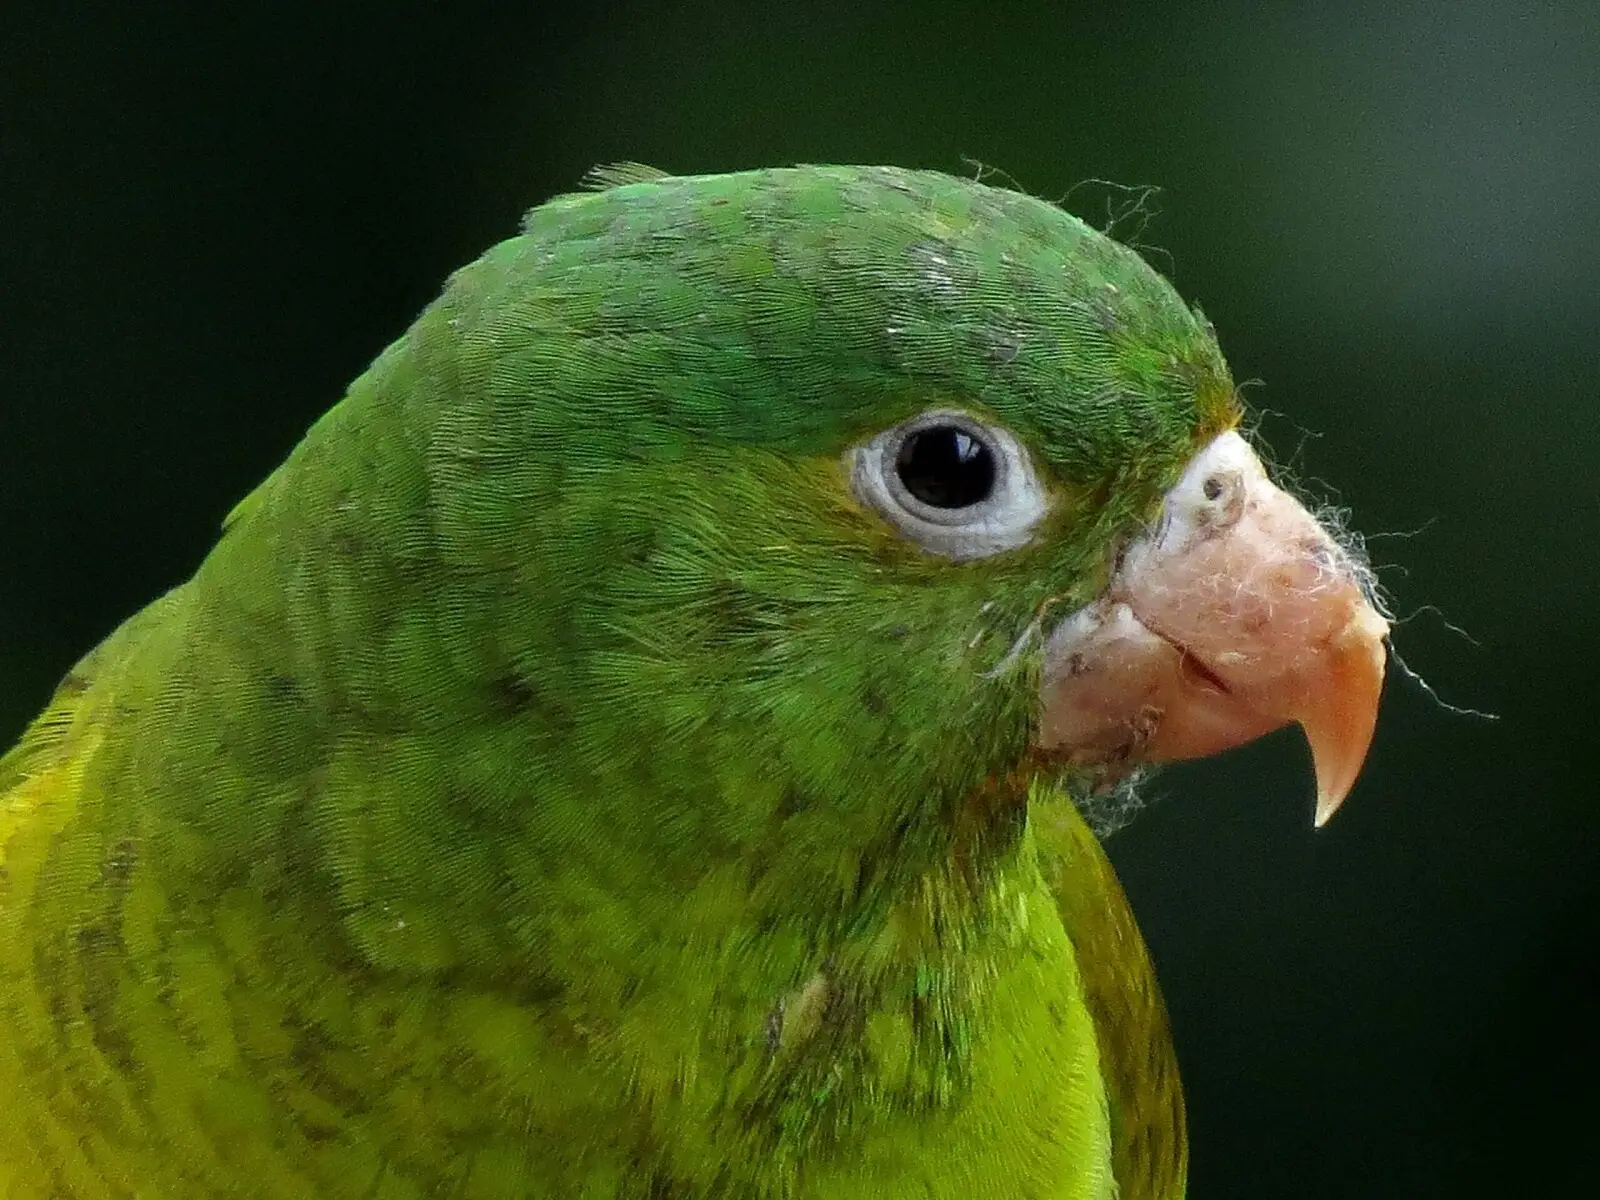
(556, 783)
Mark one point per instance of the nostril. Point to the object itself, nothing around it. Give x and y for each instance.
(1224, 502)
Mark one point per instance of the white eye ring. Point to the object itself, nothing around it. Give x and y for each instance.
(1001, 519)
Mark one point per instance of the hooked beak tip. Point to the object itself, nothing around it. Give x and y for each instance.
(1327, 805)
(1341, 716)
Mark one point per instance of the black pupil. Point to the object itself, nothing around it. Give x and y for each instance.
(946, 467)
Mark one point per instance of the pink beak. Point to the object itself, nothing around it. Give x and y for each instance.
(1234, 616)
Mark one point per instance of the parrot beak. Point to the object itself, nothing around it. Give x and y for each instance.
(1236, 614)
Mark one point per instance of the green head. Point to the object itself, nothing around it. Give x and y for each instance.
(660, 580)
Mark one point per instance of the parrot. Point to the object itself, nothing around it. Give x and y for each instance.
(638, 744)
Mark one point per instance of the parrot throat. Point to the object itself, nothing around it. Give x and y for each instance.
(879, 992)
(884, 1004)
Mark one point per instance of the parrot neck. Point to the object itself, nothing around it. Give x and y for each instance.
(784, 961)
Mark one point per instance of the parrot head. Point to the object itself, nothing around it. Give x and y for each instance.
(856, 490)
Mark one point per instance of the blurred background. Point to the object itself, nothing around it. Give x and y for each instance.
(213, 216)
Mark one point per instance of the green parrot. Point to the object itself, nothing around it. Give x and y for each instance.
(630, 747)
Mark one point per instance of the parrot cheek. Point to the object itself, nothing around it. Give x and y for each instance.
(1236, 615)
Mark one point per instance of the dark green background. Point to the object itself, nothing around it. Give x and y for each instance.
(212, 219)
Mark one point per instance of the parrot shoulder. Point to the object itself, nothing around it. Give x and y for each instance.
(1137, 1058)
(45, 769)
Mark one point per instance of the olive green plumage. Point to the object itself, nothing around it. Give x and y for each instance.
(556, 783)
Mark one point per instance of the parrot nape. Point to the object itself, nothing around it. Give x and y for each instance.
(630, 747)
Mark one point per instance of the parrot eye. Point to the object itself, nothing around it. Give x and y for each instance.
(945, 466)
(956, 487)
